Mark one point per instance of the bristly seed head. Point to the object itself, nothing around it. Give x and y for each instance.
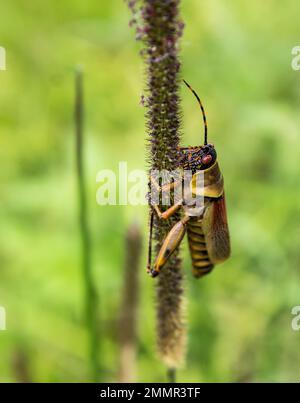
(160, 28)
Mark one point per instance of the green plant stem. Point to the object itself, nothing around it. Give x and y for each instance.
(89, 289)
(171, 375)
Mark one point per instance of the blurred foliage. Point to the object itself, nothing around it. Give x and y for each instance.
(237, 55)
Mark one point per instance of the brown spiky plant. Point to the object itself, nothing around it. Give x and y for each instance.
(159, 27)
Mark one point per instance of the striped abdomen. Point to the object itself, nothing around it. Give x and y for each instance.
(200, 259)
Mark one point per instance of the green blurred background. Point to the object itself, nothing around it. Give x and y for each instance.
(237, 55)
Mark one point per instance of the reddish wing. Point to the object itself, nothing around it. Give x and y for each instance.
(216, 230)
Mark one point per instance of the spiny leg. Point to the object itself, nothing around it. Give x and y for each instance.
(169, 245)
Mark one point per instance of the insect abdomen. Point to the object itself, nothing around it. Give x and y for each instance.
(200, 259)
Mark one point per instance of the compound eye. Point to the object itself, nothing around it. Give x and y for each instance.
(207, 159)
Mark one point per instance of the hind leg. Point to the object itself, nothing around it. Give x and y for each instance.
(170, 244)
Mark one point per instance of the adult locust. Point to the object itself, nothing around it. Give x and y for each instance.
(205, 224)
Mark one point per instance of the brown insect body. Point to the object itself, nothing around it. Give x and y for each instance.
(206, 226)
(202, 251)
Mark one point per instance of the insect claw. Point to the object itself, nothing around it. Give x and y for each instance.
(152, 272)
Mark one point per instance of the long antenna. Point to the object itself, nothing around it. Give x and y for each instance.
(202, 109)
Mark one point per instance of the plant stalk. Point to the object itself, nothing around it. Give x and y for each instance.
(90, 295)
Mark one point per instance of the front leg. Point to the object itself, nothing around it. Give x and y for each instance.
(169, 245)
(169, 212)
(165, 188)
(161, 189)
